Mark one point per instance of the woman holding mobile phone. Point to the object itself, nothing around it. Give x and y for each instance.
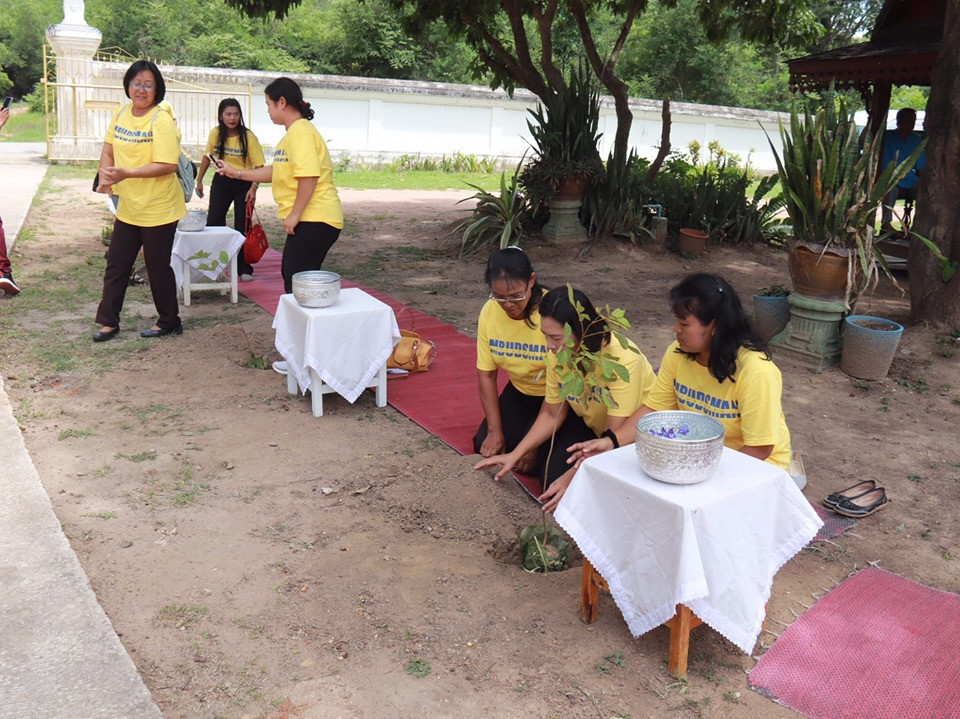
(232, 143)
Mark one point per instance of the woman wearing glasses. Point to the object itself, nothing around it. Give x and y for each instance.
(509, 338)
(138, 163)
(572, 419)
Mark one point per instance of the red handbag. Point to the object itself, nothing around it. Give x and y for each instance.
(256, 242)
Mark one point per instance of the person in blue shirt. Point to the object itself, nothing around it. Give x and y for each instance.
(898, 145)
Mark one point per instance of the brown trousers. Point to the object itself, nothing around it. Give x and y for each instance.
(157, 243)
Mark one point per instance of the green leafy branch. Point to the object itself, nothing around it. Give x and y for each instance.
(215, 263)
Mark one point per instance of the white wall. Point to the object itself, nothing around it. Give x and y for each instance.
(381, 119)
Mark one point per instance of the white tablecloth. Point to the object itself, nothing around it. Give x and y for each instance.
(203, 248)
(714, 546)
(346, 344)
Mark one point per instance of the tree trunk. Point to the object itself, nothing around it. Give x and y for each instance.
(938, 211)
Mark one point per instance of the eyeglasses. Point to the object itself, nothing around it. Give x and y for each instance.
(148, 86)
(508, 300)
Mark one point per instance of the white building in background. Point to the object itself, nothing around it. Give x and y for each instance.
(363, 118)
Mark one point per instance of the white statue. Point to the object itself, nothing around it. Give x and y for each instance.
(73, 12)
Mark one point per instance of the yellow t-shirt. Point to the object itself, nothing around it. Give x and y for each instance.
(748, 407)
(139, 141)
(629, 396)
(233, 152)
(303, 153)
(513, 346)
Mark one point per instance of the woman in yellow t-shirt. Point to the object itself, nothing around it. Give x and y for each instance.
(589, 419)
(231, 142)
(719, 367)
(138, 163)
(302, 177)
(509, 338)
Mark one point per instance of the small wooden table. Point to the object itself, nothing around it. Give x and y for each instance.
(680, 625)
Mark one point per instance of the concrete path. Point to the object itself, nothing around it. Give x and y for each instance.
(59, 655)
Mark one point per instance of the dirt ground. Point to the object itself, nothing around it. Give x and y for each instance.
(258, 562)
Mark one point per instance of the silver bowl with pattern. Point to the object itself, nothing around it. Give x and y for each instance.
(316, 288)
(679, 447)
(193, 221)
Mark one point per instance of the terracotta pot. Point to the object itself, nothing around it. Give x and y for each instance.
(691, 242)
(816, 275)
(869, 344)
(570, 188)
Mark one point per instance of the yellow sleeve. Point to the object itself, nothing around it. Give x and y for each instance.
(212, 142)
(254, 151)
(166, 139)
(484, 358)
(302, 150)
(663, 395)
(111, 128)
(759, 388)
(552, 394)
(629, 396)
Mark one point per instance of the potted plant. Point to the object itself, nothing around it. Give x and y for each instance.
(496, 217)
(832, 186)
(771, 310)
(566, 158)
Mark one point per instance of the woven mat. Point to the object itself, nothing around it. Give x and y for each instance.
(878, 647)
(833, 524)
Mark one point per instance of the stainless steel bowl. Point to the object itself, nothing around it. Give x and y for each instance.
(679, 447)
(316, 288)
(193, 221)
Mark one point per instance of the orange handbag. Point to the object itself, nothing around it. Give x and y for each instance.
(413, 353)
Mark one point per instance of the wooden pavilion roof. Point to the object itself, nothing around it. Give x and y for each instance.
(902, 50)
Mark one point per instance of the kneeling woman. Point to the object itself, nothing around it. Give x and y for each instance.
(590, 418)
(719, 367)
(509, 338)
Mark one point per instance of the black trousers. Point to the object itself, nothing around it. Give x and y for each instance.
(157, 243)
(518, 412)
(226, 191)
(573, 430)
(306, 249)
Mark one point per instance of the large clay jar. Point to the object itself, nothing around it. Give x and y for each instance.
(821, 276)
(869, 344)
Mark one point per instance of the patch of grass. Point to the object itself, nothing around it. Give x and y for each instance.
(72, 432)
(387, 179)
(24, 126)
(101, 515)
(926, 534)
(418, 668)
(181, 615)
(26, 413)
(102, 471)
(186, 488)
(732, 697)
(884, 404)
(913, 477)
(256, 362)
(918, 385)
(147, 456)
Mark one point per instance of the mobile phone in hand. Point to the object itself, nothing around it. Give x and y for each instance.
(212, 159)
(6, 102)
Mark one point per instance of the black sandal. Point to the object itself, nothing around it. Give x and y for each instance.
(864, 505)
(856, 490)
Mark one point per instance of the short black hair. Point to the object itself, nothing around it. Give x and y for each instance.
(138, 67)
(556, 304)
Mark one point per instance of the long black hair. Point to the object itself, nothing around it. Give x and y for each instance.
(222, 128)
(556, 305)
(139, 66)
(512, 263)
(290, 91)
(710, 298)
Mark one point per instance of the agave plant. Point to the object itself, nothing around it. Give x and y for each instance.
(497, 218)
(832, 186)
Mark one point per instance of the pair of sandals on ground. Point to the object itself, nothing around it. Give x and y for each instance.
(860, 500)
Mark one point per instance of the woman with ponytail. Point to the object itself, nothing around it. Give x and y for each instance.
(302, 177)
(719, 367)
(232, 143)
(509, 339)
